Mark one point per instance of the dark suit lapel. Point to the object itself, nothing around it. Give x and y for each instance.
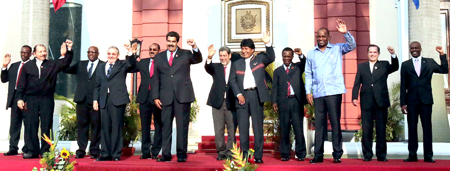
(85, 69)
(147, 66)
(115, 68)
(423, 65)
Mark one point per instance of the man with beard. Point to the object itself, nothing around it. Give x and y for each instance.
(147, 106)
(17, 116)
(416, 97)
(173, 92)
(324, 80)
(86, 115)
(247, 80)
(35, 91)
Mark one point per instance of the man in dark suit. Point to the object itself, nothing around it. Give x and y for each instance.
(372, 77)
(247, 80)
(17, 116)
(35, 91)
(111, 97)
(86, 115)
(416, 97)
(289, 97)
(222, 100)
(147, 106)
(173, 92)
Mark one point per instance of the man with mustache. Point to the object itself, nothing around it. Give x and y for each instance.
(17, 116)
(85, 72)
(147, 106)
(173, 92)
(416, 97)
(371, 77)
(35, 91)
(247, 80)
(324, 84)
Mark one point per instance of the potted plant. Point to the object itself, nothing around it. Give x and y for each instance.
(131, 128)
(68, 126)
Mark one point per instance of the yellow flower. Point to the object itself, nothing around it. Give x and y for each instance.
(46, 139)
(64, 153)
(251, 150)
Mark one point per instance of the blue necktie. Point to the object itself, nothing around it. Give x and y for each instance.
(109, 70)
(90, 69)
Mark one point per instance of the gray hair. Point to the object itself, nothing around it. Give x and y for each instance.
(225, 48)
(114, 47)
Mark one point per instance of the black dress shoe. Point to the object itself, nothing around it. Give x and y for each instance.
(104, 159)
(30, 156)
(94, 156)
(284, 158)
(10, 153)
(300, 159)
(367, 159)
(162, 159)
(155, 157)
(79, 156)
(410, 159)
(337, 160)
(116, 158)
(181, 160)
(260, 161)
(382, 159)
(145, 156)
(316, 160)
(429, 160)
(221, 157)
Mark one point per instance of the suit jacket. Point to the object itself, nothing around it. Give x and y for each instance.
(30, 84)
(258, 64)
(11, 76)
(415, 89)
(143, 66)
(175, 79)
(374, 85)
(219, 87)
(85, 85)
(295, 77)
(116, 82)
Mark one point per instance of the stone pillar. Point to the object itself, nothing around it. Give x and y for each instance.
(35, 22)
(425, 27)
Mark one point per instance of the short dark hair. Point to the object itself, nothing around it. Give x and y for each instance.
(324, 28)
(225, 48)
(35, 47)
(287, 49)
(173, 34)
(159, 48)
(26, 46)
(373, 45)
(248, 43)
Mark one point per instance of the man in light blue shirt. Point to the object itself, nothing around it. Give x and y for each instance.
(324, 84)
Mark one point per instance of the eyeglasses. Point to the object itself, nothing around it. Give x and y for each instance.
(21, 52)
(91, 52)
(150, 49)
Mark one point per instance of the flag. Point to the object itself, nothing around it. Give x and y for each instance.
(58, 4)
(416, 2)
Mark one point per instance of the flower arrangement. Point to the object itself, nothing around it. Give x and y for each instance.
(55, 160)
(239, 162)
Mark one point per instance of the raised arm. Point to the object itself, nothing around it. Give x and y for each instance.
(197, 55)
(350, 40)
(6, 62)
(270, 54)
(208, 67)
(66, 55)
(443, 68)
(394, 60)
(131, 57)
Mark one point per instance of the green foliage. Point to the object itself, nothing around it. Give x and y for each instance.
(195, 108)
(132, 123)
(68, 126)
(394, 125)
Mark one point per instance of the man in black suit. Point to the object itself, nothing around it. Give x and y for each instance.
(247, 80)
(147, 106)
(17, 116)
(111, 97)
(173, 92)
(86, 115)
(289, 97)
(372, 77)
(416, 97)
(35, 91)
(221, 100)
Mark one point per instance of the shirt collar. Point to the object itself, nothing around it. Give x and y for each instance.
(24, 62)
(329, 45)
(287, 66)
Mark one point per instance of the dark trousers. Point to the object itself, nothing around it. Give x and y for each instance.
(38, 108)
(88, 117)
(222, 117)
(292, 113)
(112, 123)
(328, 106)
(146, 111)
(17, 117)
(235, 121)
(367, 117)
(424, 111)
(181, 112)
(253, 108)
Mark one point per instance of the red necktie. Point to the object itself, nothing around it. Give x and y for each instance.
(171, 58)
(289, 83)
(20, 73)
(151, 72)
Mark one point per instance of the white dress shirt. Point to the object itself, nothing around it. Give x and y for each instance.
(420, 61)
(249, 79)
(175, 52)
(38, 65)
(290, 87)
(93, 67)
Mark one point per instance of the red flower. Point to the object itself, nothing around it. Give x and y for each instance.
(251, 160)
